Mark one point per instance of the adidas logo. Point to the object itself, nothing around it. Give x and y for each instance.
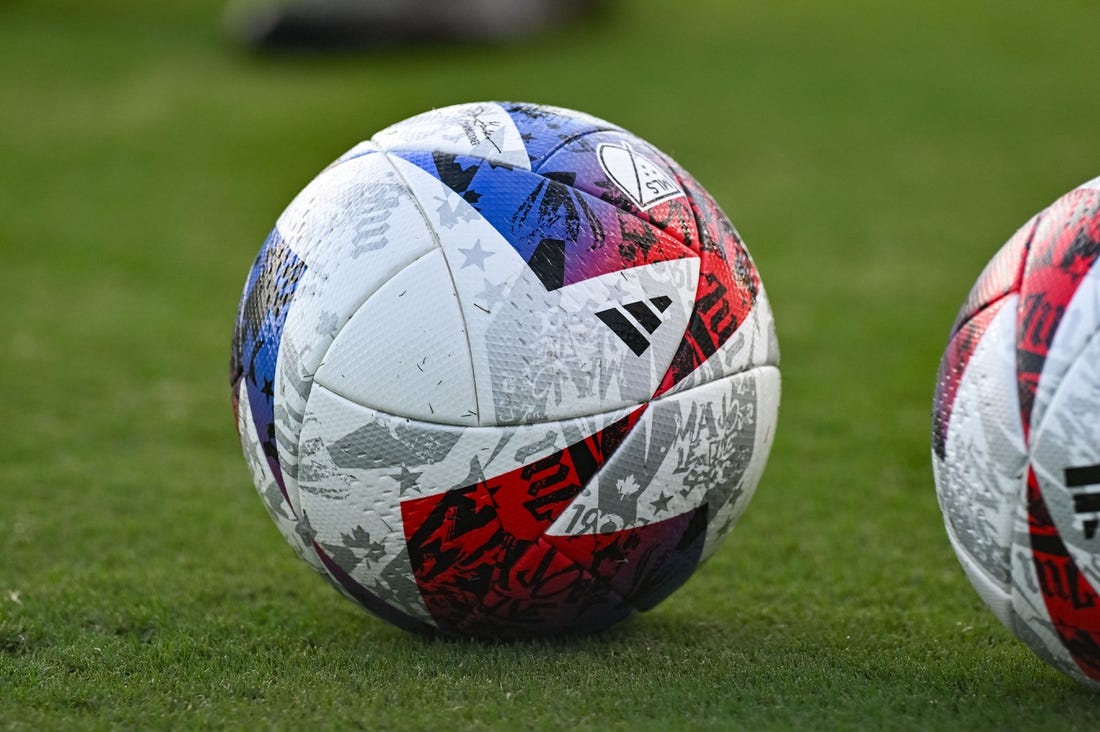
(624, 321)
(1086, 504)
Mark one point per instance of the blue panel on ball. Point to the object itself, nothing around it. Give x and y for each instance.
(259, 329)
(564, 234)
(545, 129)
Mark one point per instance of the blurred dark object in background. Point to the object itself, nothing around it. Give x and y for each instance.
(319, 25)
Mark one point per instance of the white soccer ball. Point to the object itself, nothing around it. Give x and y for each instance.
(505, 370)
(1016, 434)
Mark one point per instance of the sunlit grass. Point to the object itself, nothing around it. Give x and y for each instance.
(873, 157)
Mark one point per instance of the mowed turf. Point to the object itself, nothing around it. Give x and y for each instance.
(873, 155)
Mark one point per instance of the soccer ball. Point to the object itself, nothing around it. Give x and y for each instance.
(504, 371)
(1016, 434)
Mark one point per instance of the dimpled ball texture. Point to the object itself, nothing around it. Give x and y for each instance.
(1016, 434)
(504, 371)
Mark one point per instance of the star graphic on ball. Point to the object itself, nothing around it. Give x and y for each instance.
(475, 256)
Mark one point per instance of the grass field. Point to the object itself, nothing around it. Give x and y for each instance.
(874, 155)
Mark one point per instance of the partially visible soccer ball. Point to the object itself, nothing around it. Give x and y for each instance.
(503, 371)
(1016, 434)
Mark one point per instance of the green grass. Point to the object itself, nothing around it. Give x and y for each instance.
(874, 156)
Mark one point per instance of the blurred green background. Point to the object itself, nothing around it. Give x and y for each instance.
(873, 154)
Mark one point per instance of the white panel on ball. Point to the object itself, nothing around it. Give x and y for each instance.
(985, 455)
(689, 449)
(355, 225)
(768, 389)
(281, 512)
(481, 130)
(404, 350)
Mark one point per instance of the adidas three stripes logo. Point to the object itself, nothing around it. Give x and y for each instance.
(640, 312)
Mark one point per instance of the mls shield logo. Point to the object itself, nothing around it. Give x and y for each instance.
(643, 182)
